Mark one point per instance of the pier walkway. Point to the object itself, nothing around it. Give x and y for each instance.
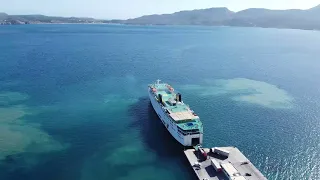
(205, 171)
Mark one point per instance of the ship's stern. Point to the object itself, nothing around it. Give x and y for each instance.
(193, 140)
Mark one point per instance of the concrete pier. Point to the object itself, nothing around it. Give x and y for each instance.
(205, 171)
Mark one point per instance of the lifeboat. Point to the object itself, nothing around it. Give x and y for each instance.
(170, 88)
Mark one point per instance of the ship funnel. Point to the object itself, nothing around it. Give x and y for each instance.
(160, 98)
(178, 97)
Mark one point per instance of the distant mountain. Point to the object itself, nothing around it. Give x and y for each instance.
(255, 17)
(317, 8)
(3, 16)
(212, 16)
(293, 18)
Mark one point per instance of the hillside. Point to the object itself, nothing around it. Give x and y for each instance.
(3, 16)
(37, 19)
(212, 16)
(255, 17)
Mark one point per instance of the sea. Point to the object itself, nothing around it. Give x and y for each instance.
(74, 102)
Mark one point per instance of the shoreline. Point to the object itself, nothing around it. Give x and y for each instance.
(101, 23)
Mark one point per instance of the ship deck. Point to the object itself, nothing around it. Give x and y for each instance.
(179, 112)
(236, 158)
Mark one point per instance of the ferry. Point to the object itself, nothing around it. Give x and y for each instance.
(177, 117)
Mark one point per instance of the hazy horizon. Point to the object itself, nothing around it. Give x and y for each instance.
(119, 10)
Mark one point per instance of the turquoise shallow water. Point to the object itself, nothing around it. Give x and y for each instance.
(74, 105)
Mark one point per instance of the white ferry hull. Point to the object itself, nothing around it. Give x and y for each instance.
(185, 140)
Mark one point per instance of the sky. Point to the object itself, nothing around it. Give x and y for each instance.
(124, 9)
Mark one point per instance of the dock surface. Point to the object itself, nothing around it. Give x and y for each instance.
(236, 158)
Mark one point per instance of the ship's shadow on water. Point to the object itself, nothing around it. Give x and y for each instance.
(156, 137)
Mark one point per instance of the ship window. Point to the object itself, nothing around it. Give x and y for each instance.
(185, 121)
(186, 132)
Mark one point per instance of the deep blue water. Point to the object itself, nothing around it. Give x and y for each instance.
(73, 100)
